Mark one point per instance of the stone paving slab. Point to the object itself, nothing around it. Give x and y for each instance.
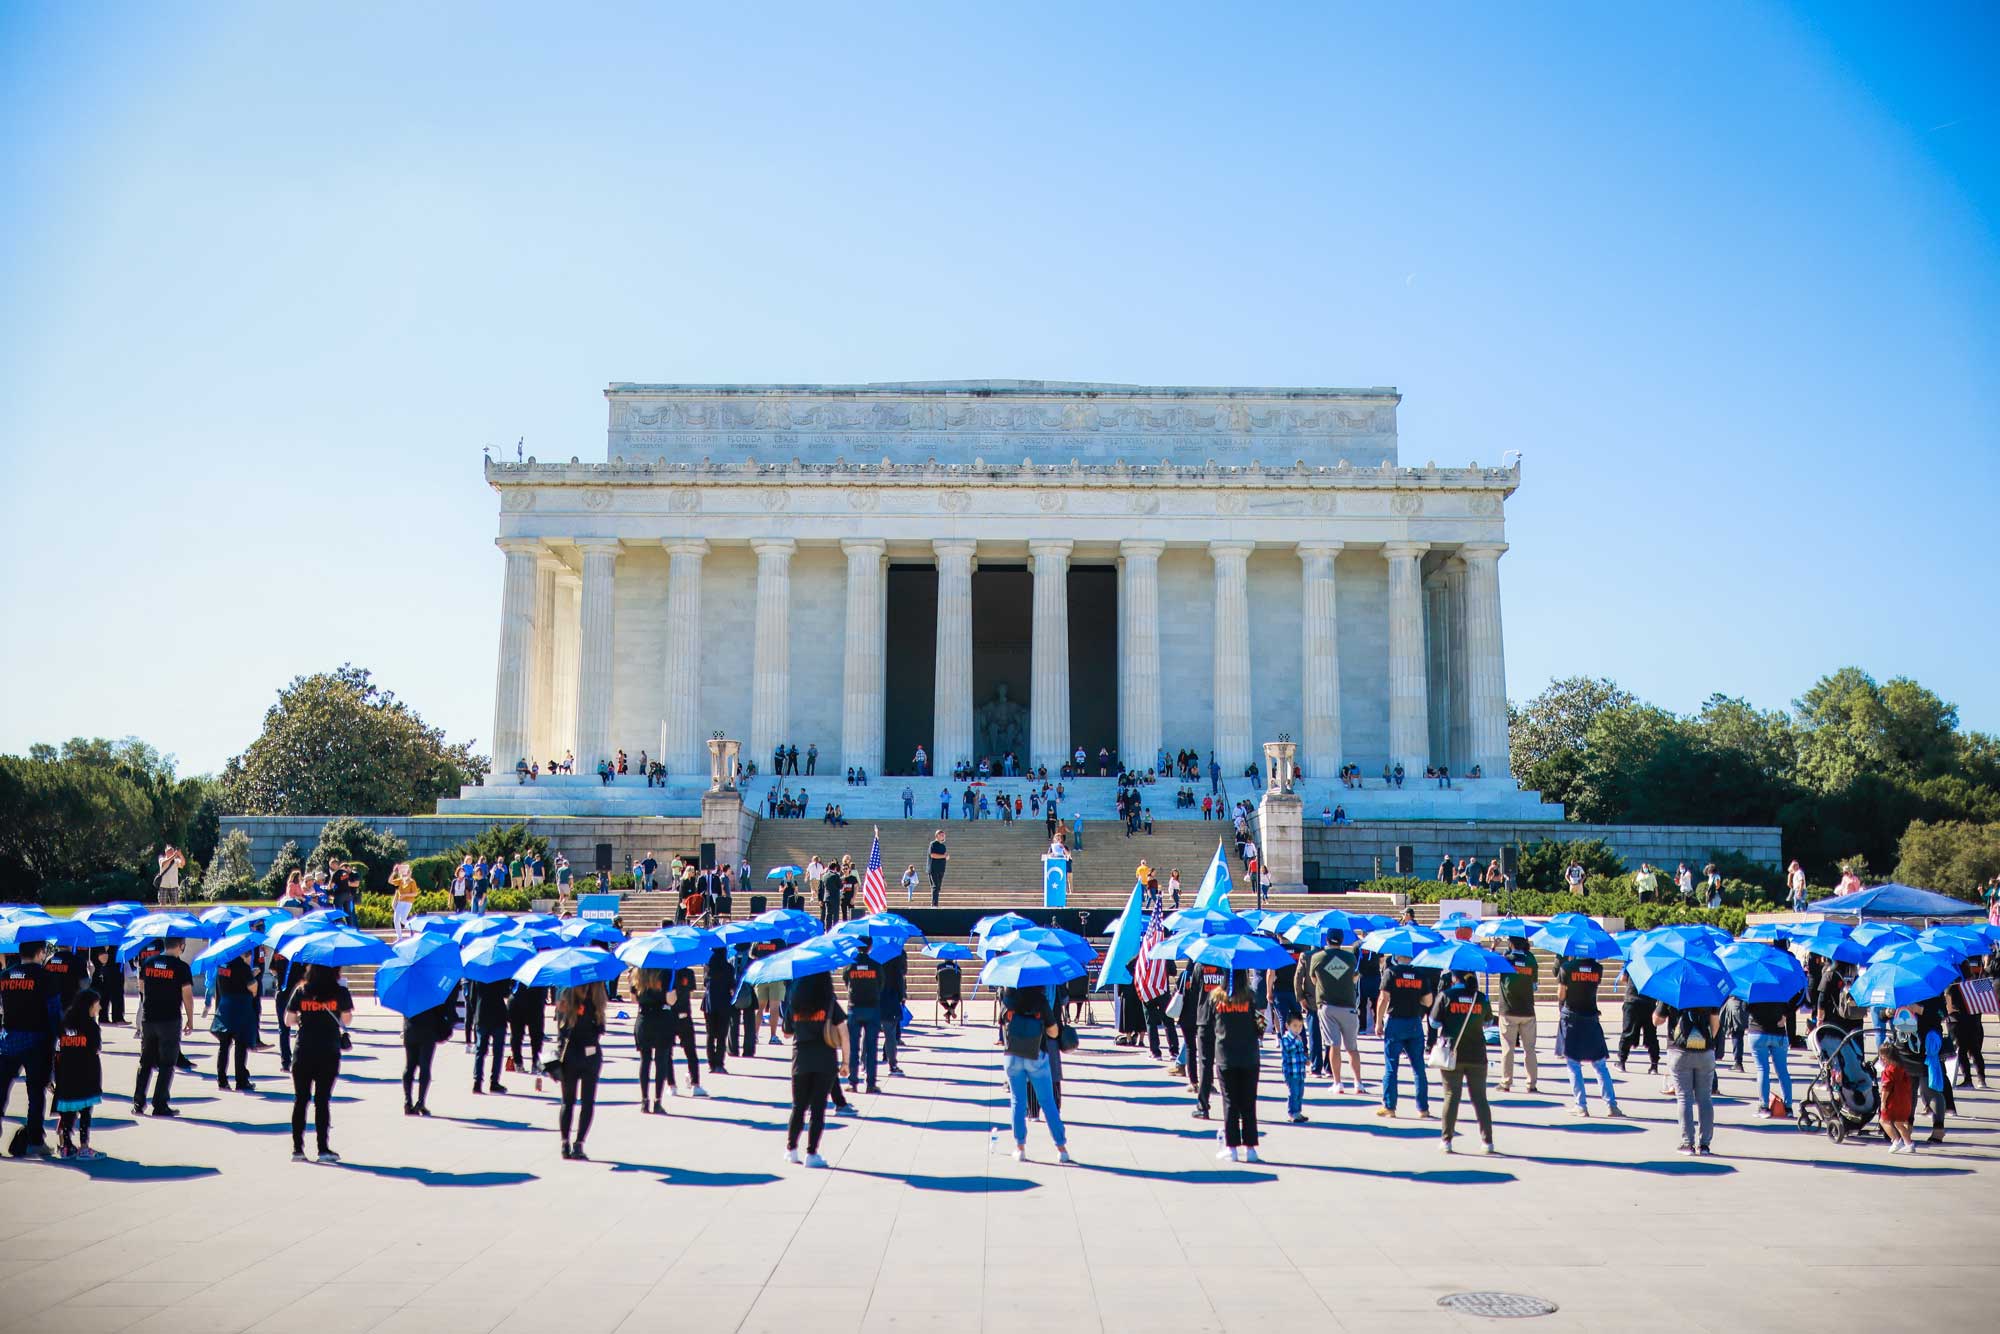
(471, 1222)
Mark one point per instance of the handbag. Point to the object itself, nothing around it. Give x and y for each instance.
(1067, 1039)
(1175, 1004)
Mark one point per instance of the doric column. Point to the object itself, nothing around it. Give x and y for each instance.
(1458, 748)
(681, 743)
(569, 593)
(1139, 729)
(513, 701)
(951, 702)
(542, 683)
(1409, 717)
(597, 626)
(862, 706)
(1320, 675)
(1232, 654)
(1485, 659)
(1439, 650)
(771, 669)
(1048, 655)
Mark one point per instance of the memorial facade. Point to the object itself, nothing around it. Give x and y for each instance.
(981, 567)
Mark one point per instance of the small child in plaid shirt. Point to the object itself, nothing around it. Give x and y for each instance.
(1292, 1052)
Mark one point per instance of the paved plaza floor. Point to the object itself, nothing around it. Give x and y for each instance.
(470, 1221)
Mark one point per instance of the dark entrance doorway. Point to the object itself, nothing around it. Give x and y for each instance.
(1093, 661)
(1003, 615)
(910, 674)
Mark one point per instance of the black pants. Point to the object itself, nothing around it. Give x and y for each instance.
(1639, 1028)
(716, 1025)
(681, 1035)
(312, 1080)
(159, 1048)
(223, 1043)
(418, 1052)
(1190, 1031)
(74, 1123)
(743, 1031)
(284, 1034)
(1157, 1020)
(493, 1048)
(810, 1091)
(1239, 1107)
(113, 992)
(1970, 1033)
(532, 1030)
(32, 1066)
(579, 1094)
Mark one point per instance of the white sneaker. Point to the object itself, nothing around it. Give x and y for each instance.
(792, 1156)
(1225, 1155)
(1249, 1156)
(1486, 1147)
(814, 1160)
(1444, 1145)
(697, 1092)
(1062, 1156)
(1020, 1155)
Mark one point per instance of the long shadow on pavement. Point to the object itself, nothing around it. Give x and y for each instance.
(966, 1185)
(1452, 1176)
(1673, 1167)
(123, 1169)
(425, 1176)
(689, 1176)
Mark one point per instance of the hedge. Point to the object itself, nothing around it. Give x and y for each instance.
(1601, 898)
(377, 911)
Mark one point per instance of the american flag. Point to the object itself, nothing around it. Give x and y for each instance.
(871, 880)
(1149, 975)
(1979, 995)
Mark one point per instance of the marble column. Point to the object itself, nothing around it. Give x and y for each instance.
(1319, 678)
(1139, 727)
(1439, 651)
(596, 633)
(1048, 655)
(1485, 660)
(771, 669)
(569, 593)
(864, 660)
(1459, 748)
(542, 686)
(1232, 654)
(682, 747)
(951, 702)
(1409, 716)
(513, 700)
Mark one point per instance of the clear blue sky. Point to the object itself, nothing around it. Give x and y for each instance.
(271, 275)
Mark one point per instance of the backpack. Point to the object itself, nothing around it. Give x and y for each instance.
(1024, 1036)
(1687, 1034)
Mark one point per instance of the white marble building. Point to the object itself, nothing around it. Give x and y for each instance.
(764, 560)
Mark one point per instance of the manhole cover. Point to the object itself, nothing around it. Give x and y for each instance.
(1498, 1305)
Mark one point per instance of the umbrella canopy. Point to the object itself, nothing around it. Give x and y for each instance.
(662, 952)
(338, 948)
(1000, 922)
(1457, 921)
(1029, 968)
(822, 954)
(224, 913)
(1308, 936)
(158, 925)
(532, 937)
(441, 923)
(490, 958)
(1714, 935)
(1277, 923)
(281, 936)
(1839, 949)
(1950, 955)
(1685, 982)
(326, 916)
(1892, 983)
(749, 933)
(780, 872)
(1662, 944)
(1768, 933)
(1576, 939)
(1759, 974)
(569, 967)
(1403, 942)
(1968, 940)
(1503, 928)
(472, 928)
(708, 940)
(1877, 934)
(793, 926)
(1232, 952)
(222, 951)
(1898, 901)
(419, 975)
(1463, 956)
(64, 931)
(1348, 926)
(122, 911)
(579, 932)
(881, 928)
(1210, 922)
(950, 949)
(539, 921)
(1052, 940)
(1174, 946)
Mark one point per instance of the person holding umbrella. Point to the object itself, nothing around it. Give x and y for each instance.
(29, 1012)
(1029, 1021)
(421, 983)
(319, 1011)
(1692, 1034)
(489, 1013)
(652, 1034)
(1230, 1028)
(580, 1016)
(166, 997)
(235, 1021)
(819, 1049)
(1458, 1018)
(1581, 945)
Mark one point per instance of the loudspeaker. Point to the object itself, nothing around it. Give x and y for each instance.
(757, 902)
(1510, 860)
(1406, 859)
(708, 856)
(604, 859)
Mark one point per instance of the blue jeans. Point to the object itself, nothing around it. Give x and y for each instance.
(864, 1030)
(1403, 1039)
(1295, 1094)
(892, 1028)
(1582, 1094)
(1772, 1049)
(1023, 1074)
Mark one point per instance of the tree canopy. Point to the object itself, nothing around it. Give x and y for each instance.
(92, 808)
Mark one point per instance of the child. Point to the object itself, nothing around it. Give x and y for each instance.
(1899, 1094)
(79, 1076)
(1292, 1050)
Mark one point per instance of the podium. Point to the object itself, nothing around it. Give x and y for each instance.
(1055, 882)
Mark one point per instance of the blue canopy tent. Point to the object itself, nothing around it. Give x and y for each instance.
(1893, 900)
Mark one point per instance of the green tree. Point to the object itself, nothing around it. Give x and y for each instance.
(1850, 725)
(361, 844)
(62, 821)
(1546, 737)
(229, 875)
(1950, 856)
(336, 743)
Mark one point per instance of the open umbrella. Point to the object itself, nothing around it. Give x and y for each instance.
(1051, 940)
(472, 928)
(1000, 922)
(1457, 921)
(533, 938)
(662, 953)
(338, 948)
(64, 931)
(1767, 933)
(1210, 922)
(1232, 952)
(419, 975)
(439, 923)
(708, 940)
(1576, 939)
(490, 958)
(224, 913)
(1343, 926)
(1401, 942)
(1662, 944)
(949, 949)
(170, 925)
(538, 921)
(1029, 968)
(1875, 934)
(780, 872)
(1276, 923)
(326, 917)
(579, 932)
(281, 936)
(822, 954)
(748, 933)
(1503, 928)
(1308, 936)
(1840, 949)
(1967, 940)
(569, 967)
(1685, 982)
(222, 951)
(1892, 983)
(1463, 956)
(881, 927)
(122, 911)
(1759, 974)
(1945, 952)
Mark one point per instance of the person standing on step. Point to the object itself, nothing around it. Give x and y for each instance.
(1517, 1013)
(319, 1010)
(489, 1015)
(235, 1021)
(819, 1048)
(864, 1017)
(580, 1017)
(166, 996)
(940, 857)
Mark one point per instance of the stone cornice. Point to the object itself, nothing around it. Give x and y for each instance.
(621, 472)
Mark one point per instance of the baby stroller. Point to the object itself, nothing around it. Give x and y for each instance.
(1844, 1096)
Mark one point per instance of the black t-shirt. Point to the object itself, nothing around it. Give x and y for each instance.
(234, 978)
(1233, 1020)
(1284, 981)
(864, 985)
(812, 1054)
(66, 970)
(683, 992)
(937, 855)
(341, 883)
(489, 1004)
(1680, 1025)
(948, 980)
(525, 1005)
(318, 1008)
(25, 992)
(1768, 1016)
(1580, 979)
(582, 1036)
(161, 979)
(1405, 987)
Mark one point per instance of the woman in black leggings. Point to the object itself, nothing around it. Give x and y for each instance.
(422, 1032)
(580, 1016)
(819, 1047)
(318, 1012)
(652, 1034)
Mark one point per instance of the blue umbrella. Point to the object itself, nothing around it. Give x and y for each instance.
(661, 953)
(1967, 940)
(224, 913)
(1571, 918)
(281, 936)
(1715, 936)
(222, 951)
(1893, 983)
(1877, 933)
(793, 926)
(1232, 952)
(1502, 928)
(748, 933)
(491, 959)
(1401, 942)
(1174, 946)
(822, 954)
(338, 948)
(950, 949)
(122, 911)
(421, 974)
(881, 927)
(169, 926)
(439, 923)
(326, 916)
(571, 967)
(1463, 956)
(64, 931)
(1029, 968)
(1760, 974)
(1276, 923)
(1000, 922)
(1210, 922)
(105, 930)
(1576, 940)
(1457, 921)
(533, 938)
(1050, 940)
(1685, 982)
(579, 932)
(1949, 954)
(1308, 936)
(780, 872)
(1661, 944)
(473, 928)
(1343, 927)
(1839, 949)
(538, 921)
(1768, 933)
(692, 936)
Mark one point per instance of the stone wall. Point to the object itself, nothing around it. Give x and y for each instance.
(1351, 852)
(575, 837)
